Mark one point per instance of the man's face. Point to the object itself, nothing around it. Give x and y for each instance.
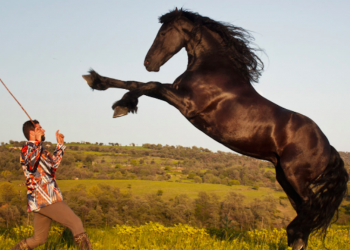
(42, 130)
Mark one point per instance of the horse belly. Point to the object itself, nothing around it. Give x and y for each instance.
(248, 138)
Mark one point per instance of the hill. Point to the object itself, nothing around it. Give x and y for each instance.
(165, 184)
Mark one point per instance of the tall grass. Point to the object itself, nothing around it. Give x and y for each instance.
(156, 237)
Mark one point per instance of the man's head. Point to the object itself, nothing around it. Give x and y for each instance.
(28, 130)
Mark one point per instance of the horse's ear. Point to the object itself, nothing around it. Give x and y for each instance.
(176, 10)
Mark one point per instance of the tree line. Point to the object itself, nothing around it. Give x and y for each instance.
(153, 162)
(105, 205)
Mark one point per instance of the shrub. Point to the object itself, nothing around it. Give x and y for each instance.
(234, 182)
(197, 179)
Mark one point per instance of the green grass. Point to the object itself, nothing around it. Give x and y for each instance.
(153, 236)
(171, 189)
(108, 146)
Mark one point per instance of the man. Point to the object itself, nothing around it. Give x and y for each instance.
(44, 198)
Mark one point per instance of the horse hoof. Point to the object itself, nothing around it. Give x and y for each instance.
(88, 79)
(120, 111)
(298, 244)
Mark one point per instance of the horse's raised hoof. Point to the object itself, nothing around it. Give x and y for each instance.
(88, 79)
(94, 81)
(298, 244)
(120, 111)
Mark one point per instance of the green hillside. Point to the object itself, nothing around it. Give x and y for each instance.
(160, 183)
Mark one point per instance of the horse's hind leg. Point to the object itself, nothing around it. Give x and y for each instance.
(297, 235)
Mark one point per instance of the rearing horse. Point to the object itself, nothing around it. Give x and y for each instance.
(216, 95)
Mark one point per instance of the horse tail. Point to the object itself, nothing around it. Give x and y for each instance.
(328, 191)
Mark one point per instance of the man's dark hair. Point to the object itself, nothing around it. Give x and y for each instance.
(28, 126)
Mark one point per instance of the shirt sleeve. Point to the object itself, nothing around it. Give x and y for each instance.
(57, 155)
(30, 156)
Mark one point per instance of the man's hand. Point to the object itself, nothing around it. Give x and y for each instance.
(38, 133)
(59, 138)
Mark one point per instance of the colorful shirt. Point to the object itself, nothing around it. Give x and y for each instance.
(39, 168)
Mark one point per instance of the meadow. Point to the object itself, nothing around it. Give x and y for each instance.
(170, 189)
(185, 192)
(153, 236)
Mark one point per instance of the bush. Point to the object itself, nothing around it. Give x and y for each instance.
(197, 179)
(234, 182)
(191, 176)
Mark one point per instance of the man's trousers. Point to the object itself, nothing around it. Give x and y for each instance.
(58, 212)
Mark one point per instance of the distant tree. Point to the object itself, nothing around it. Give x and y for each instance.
(191, 175)
(6, 174)
(101, 143)
(185, 171)
(234, 182)
(10, 215)
(159, 192)
(133, 162)
(197, 179)
(224, 181)
(7, 192)
(95, 217)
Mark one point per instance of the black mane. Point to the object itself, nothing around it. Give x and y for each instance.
(236, 40)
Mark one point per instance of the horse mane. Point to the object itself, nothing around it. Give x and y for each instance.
(236, 42)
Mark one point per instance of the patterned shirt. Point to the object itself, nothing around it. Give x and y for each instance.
(39, 168)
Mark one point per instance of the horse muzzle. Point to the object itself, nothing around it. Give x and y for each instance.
(151, 67)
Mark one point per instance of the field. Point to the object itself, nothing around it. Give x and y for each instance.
(170, 189)
(154, 236)
(151, 179)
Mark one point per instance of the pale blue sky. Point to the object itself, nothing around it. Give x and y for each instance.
(45, 47)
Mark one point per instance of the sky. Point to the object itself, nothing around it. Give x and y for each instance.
(46, 46)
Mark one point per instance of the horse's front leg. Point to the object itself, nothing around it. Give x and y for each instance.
(98, 82)
(129, 101)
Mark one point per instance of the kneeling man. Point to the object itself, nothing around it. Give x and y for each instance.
(44, 198)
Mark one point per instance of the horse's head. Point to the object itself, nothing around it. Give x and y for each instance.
(170, 39)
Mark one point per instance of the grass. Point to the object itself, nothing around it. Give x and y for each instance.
(157, 237)
(171, 189)
(107, 146)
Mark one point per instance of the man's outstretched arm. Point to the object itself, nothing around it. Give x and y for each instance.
(59, 151)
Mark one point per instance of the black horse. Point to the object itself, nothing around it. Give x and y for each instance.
(216, 95)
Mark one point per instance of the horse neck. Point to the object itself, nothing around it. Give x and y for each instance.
(204, 47)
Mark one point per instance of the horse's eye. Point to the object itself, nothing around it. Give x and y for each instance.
(163, 33)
